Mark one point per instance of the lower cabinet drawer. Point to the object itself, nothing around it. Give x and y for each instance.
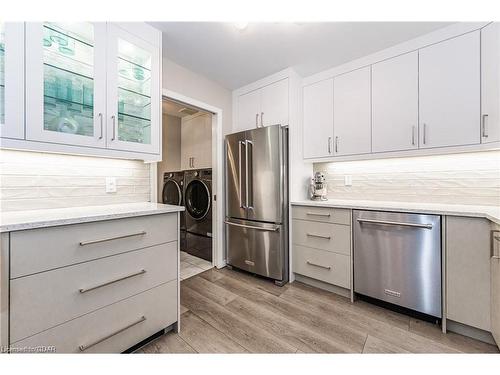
(43, 249)
(322, 265)
(46, 299)
(325, 236)
(113, 328)
(323, 214)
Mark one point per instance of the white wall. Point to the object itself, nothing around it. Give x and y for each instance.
(188, 83)
(34, 180)
(471, 178)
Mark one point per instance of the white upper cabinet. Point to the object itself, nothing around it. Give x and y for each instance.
(264, 106)
(196, 141)
(352, 112)
(318, 119)
(490, 83)
(274, 104)
(248, 111)
(11, 80)
(83, 87)
(66, 83)
(133, 92)
(395, 104)
(449, 83)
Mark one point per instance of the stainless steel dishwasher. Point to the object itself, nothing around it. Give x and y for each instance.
(397, 259)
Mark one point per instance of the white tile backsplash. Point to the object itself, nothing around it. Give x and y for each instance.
(469, 178)
(34, 180)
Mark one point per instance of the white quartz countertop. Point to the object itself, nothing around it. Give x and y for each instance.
(491, 213)
(21, 220)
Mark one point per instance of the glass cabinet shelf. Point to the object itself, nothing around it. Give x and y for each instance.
(134, 93)
(134, 104)
(134, 129)
(68, 64)
(67, 86)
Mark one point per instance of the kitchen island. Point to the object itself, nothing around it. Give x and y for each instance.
(95, 279)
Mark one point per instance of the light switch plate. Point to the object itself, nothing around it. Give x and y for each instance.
(347, 180)
(110, 184)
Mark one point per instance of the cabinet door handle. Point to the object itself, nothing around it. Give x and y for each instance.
(424, 136)
(318, 235)
(256, 120)
(113, 122)
(262, 119)
(336, 144)
(329, 145)
(413, 135)
(318, 265)
(85, 290)
(98, 341)
(495, 236)
(100, 123)
(485, 132)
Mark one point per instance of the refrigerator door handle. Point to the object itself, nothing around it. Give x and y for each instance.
(240, 144)
(249, 183)
(274, 229)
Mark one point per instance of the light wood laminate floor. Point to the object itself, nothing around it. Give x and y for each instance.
(227, 311)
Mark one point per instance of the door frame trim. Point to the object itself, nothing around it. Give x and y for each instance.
(218, 256)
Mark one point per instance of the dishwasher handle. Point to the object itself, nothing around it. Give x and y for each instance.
(398, 223)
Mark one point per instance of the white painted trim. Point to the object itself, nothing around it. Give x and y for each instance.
(437, 36)
(410, 153)
(218, 258)
(58, 148)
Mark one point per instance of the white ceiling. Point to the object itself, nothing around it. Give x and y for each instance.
(234, 58)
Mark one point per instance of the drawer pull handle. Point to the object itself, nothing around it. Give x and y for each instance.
(85, 290)
(319, 265)
(91, 242)
(87, 346)
(384, 222)
(319, 236)
(317, 214)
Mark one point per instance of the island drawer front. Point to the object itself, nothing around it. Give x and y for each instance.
(325, 236)
(38, 250)
(46, 299)
(322, 265)
(155, 305)
(323, 214)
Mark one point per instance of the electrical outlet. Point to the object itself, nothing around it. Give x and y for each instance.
(110, 184)
(347, 180)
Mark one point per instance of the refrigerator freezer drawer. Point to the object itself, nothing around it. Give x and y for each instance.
(256, 247)
(397, 259)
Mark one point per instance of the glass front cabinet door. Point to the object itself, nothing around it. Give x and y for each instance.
(133, 90)
(66, 83)
(11, 80)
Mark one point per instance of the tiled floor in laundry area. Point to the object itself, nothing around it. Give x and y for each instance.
(191, 265)
(226, 311)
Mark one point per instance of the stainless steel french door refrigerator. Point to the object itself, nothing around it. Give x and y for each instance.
(257, 201)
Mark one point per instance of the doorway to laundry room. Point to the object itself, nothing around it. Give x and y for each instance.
(185, 178)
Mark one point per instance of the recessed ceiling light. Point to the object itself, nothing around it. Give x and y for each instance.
(241, 25)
